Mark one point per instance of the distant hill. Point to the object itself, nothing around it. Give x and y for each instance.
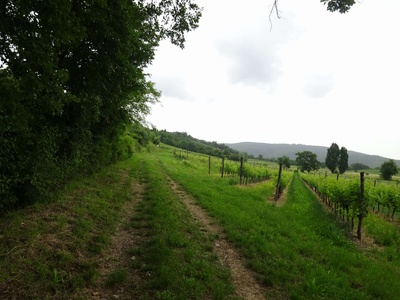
(290, 150)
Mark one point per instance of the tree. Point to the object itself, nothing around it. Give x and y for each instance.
(337, 160)
(358, 166)
(307, 161)
(341, 6)
(343, 163)
(332, 157)
(285, 161)
(388, 169)
(72, 75)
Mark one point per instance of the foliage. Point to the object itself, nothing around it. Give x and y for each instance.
(341, 6)
(341, 195)
(298, 250)
(343, 163)
(71, 78)
(185, 141)
(307, 161)
(337, 159)
(380, 196)
(285, 161)
(388, 169)
(358, 166)
(332, 157)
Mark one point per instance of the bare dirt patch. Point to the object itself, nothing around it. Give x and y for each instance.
(245, 282)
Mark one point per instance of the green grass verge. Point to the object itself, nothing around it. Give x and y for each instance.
(299, 250)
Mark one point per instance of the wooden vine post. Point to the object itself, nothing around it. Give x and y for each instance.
(222, 168)
(361, 208)
(241, 171)
(278, 183)
(209, 165)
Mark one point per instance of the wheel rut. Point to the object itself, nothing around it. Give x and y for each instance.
(117, 257)
(244, 280)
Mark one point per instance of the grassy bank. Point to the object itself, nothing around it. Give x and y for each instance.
(50, 249)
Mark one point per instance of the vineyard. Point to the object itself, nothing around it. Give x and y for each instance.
(345, 196)
(239, 172)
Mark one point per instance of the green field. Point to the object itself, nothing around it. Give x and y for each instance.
(295, 247)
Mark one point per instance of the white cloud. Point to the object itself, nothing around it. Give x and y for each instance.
(317, 86)
(173, 87)
(315, 78)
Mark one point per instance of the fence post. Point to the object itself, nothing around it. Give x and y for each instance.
(241, 171)
(361, 206)
(209, 164)
(278, 183)
(223, 167)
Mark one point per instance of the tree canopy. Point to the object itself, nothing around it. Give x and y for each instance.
(285, 161)
(342, 6)
(187, 142)
(343, 163)
(307, 161)
(332, 157)
(388, 169)
(337, 159)
(71, 77)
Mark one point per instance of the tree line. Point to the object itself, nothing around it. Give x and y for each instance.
(73, 83)
(185, 141)
(337, 162)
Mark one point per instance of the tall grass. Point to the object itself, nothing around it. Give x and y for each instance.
(50, 250)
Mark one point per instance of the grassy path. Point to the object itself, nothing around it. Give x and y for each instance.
(120, 234)
(245, 282)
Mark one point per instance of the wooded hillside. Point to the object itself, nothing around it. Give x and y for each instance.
(268, 151)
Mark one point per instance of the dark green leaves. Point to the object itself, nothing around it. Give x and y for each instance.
(73, 77)
(307, 161)
(341, 6)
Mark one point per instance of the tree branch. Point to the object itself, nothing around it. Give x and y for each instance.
(274, 8)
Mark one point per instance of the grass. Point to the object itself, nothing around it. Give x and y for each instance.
(299, 250)
(177, 256)
(116, 277)
(50, 250)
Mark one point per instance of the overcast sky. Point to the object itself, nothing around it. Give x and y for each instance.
(314, 77)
